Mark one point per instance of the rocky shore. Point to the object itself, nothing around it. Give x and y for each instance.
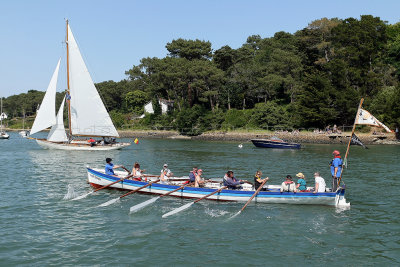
(302, 137)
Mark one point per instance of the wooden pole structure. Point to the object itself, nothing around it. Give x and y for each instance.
(351, 136)
(68, 90)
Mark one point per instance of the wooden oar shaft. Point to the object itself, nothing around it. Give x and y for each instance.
(123, 167)
(112, 183)
(179, 188)
(255, 194)
(219, 190)
(134, 191)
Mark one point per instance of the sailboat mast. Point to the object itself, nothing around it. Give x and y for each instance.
(23, 120)
(351, 137)
(69, 93)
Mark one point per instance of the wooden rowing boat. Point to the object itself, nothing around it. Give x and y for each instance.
(98, 178)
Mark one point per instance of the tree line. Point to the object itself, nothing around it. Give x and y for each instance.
(311, 78)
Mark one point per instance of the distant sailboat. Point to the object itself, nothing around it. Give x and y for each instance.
(3, 134)
(87, 115)
(23, 133)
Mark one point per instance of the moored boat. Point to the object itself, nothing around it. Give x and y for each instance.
(97, 178)
(3, 134)
(274, 142)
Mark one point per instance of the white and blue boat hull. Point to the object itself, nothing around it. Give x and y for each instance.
(98, 178)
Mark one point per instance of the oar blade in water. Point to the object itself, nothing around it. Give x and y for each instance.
(82, 196)
(172, 212)
(236, 214)
(108, 203)
(142, 205)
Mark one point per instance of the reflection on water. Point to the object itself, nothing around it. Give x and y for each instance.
(44, 228)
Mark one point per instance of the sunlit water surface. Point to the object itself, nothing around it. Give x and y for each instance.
(41, 226)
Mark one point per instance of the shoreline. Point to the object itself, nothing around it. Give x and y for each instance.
(244, 136)
(302, 137)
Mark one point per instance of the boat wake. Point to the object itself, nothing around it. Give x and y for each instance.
(215, 213)
(70, 193)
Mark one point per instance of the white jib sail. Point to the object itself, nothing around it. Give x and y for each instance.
(46, 115)
(57, 132)
(88, 114)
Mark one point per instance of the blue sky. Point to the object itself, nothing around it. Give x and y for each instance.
(114, 35)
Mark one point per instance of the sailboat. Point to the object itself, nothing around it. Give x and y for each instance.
(23, 133)
(87, 115)
(3, 134)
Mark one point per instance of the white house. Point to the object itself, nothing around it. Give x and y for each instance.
(165, 106)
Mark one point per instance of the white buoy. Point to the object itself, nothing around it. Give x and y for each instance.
(240, 146)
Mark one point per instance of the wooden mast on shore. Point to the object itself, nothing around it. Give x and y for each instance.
(68, 89)
(351, 137)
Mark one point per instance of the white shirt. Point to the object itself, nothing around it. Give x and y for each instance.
(321, 184)
(167, 172)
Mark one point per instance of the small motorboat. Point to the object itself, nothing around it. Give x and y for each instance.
(274, 142)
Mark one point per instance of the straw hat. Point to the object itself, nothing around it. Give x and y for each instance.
(300, 175)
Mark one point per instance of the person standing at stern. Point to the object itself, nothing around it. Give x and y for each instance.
(336, 169)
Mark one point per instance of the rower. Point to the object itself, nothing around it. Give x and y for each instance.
(165, 173)
(231, 182)
(199, 181)
(258, 181)
(109, 169)
(192, 175)
(136, 171)
(288, 185)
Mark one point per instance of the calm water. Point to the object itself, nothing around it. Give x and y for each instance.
(39, 227)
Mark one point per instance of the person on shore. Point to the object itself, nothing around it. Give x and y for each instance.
(231, 182)
(109, 169)
(165, 173)
(192, 175)
(258, 181)
(320, 185)
(199, 181)
(288, 185)
(136, 171)
(301, 182)
(336, 169)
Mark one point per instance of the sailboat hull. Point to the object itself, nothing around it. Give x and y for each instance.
(79, 146)
(4, 136)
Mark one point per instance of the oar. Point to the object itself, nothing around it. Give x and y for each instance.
(85, 195)
(128, 171)
(191, 203)
(130, 192)
(255, 194)
(140, 206)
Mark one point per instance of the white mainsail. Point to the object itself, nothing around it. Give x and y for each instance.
(89, 116)
(57, 132)
(46, 115)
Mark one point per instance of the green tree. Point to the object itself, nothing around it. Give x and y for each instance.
(135, 101)
(189, 49)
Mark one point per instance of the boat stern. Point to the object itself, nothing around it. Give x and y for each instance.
(340, 200)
